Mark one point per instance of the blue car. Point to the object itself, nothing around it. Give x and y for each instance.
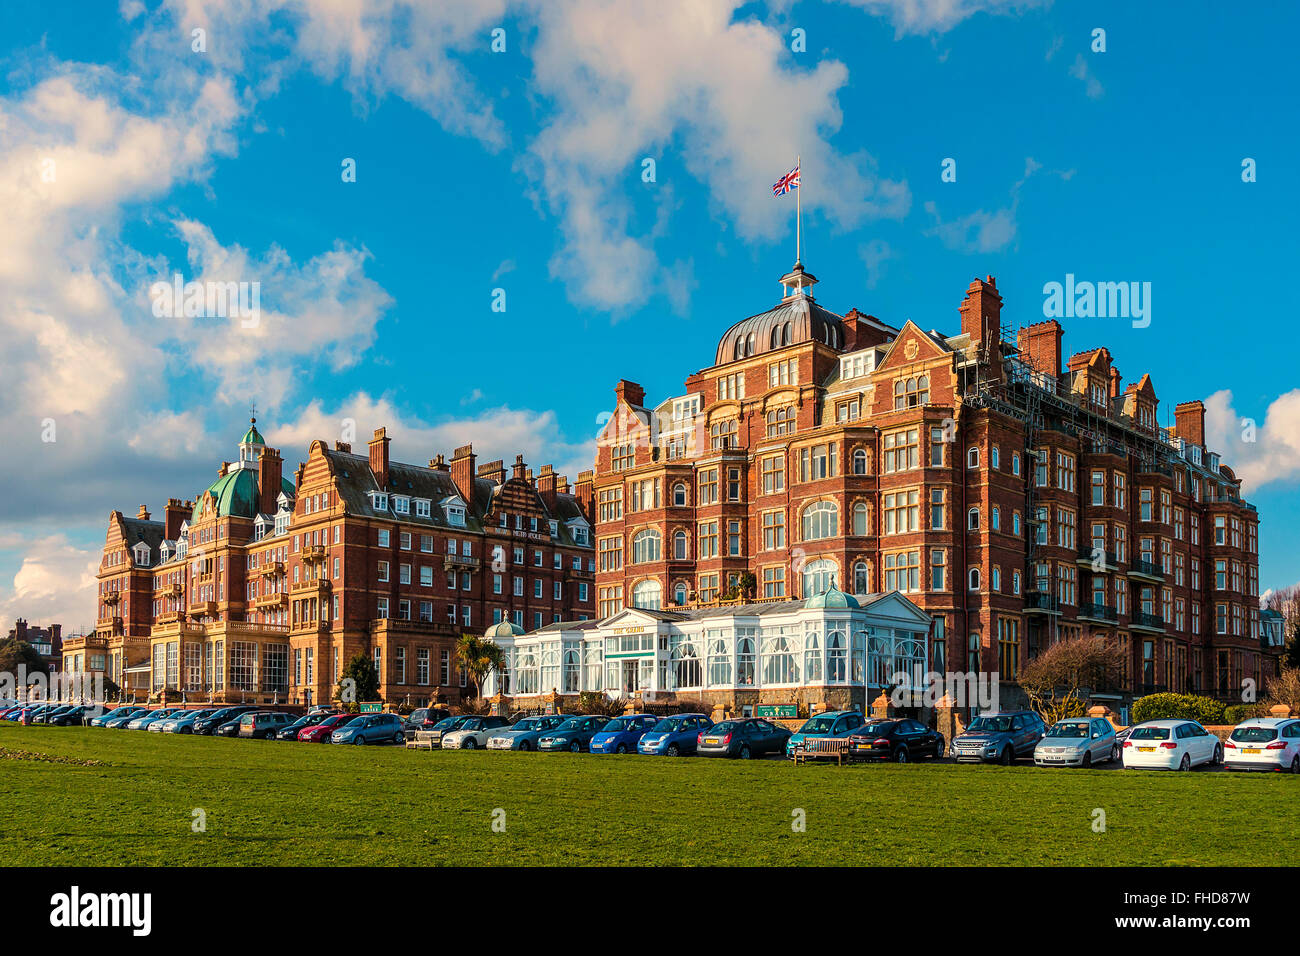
(144, 720)
(371, 729)
(674, 736)
(834, 723)
(622, 734)
(113, 714)
(120, 722)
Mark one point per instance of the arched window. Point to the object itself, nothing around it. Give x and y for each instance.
(719, 662)
(861, 518)
(745, 662)
(812, 657)
(775, 340)
(785, 334)
(740, 347)
(972, 457)
(679, 494)
(973, 579)
(646, 546)
(778, 660)
(860, 461)
(780, 421)
(995, 457)
(680, 593)
(973, 519)
(861, 578)
(647, 594)
(681, 546)
(996, 519)
(550, 668)
(749, 345)
(837, 652)
(572, 671)
(996, 578)
(818, 576)
(528, 674)
(723, 434)
(686, 665)
(821, 520)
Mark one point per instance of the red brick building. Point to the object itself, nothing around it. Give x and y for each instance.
(1017, 496)
(262, 588)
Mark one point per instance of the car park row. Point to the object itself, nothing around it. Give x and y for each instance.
(1259, 743)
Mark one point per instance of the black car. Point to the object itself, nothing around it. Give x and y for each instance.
(208, 725)
(423, 718)
(898, 740)
(743, 738)
(74, 716)
(306, 720)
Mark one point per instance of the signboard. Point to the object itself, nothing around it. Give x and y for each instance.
(777, 711)
(371, 708)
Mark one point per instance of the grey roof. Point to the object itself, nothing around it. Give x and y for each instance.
(557, 626)
(807, 322)
(136, 530)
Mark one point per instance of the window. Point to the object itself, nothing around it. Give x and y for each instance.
(938, 569)
(903, 571)
(911, 392)
(723, 435)
(861, 519)
(1098, 487)
(773, 530)
(901, 450)
(937, 517)
(973, 579)
(681, 545)
(785, 372)
(861, 578)
(707, 484)
(646, 546)
(972, 457)
(647, 594)
(1064, 471)
(731, 387)
(680, 499)
(820, 520)
(610, 553)
(818, 576)
(902, 512)
(819, 461)
(773, 469)
(780, 421)
(973, 519)
(860, 466)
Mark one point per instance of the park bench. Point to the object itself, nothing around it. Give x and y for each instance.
(823, 748)
(422, 740)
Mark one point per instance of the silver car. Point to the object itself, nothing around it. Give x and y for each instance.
(1077, 742)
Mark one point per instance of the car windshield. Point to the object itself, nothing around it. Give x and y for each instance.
(528, 723)
(989, 725)
(445, 723)
(817, 725)
(1253, 735)
(573, 723)
(667, 724)
(1149, 733)
(1073, 730)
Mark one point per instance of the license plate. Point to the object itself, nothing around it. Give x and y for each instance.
(864, 746)
(1147, 750)
(1251, 750)
(710, 740)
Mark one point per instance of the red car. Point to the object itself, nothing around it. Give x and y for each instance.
(320, 734)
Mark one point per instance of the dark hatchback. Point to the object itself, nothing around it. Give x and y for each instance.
(423, 718)
(897, 740)
(208, 725)
(742, 738)
(302, 723)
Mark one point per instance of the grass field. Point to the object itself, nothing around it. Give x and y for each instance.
(124, 798)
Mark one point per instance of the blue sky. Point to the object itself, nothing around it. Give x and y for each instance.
(522, 170)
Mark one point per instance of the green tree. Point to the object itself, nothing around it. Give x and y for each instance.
(359, 680)
(15, 653)
(1291, 655)
(480, 657)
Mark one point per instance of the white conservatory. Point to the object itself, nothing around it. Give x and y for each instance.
(834, 650)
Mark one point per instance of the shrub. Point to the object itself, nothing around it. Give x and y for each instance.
(1205, 710)
(597, 704)
(1236, 713)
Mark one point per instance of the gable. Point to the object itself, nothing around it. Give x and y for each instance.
(912, 345)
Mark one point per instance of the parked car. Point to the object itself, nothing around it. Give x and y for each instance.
(208, 725)
(142, 722)
(103, 718)
(160, 726)
(1264, 743)
(370, 729)
(290, 732)
(472, 734)
(184, 723)
(835, 723)
(999, 738)
(320, 733)
(120, 722)
(264, 724)
(744, 738)
(674, 736)
(524, 733)
(1077, 742)
(573, 735)
(899, 740)
(622, 734)
(424, 718)
(49, 712)
(1171, 745)
(446, 725)
(72, 716)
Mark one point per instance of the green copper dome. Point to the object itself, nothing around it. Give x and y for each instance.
(252, 436)
(236, 492)
(503, 628)
(832, 598)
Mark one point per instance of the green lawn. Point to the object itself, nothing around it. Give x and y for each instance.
(281, 803)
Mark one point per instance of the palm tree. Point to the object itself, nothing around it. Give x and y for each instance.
(479, 657)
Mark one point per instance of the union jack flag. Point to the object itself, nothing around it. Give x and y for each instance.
(786, 183)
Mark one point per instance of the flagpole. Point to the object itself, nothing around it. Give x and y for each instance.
(798, 215)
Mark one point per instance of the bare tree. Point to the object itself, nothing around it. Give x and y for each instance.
(1059, 680)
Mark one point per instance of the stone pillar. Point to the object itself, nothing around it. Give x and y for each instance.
(880, 706)
(1104, 712)
(719, 713)
(945, 718)
(1280, 711)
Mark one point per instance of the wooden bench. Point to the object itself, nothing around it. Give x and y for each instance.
(823, 748)
(423, 740)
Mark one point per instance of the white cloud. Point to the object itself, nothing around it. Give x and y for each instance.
(1082, 72)
(926, 16)
(1258, 453)
(55, 583)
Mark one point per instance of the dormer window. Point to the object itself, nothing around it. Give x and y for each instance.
(423, 507)
(142, 554)
(555, 528)
(456, 515)
(401, 504)
(379, 501)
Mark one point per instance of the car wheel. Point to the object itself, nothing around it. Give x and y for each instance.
(469, 744)
(938, 748)
(359, 741)
(399, 738)
(900, 756)
(525, 746)
(1087, 760)
(673, 751)
(621, 749)
(1218, 755)
(575, 747)
(744, 752)
(1007, 757)
(1295, 764)
(1186, 763)
(1115, 752)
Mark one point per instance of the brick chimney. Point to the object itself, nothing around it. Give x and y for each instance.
(860, 333)
(981, 312)
(1115, 380)
(174, 515)
(270, 470)
(1189, 422)
(379, 457)
(1040, 347)
(462, 471)
(493, 471)
(343, 446)
(630, 392)
(20, 629)
(439, 464)
(143, 513)
(519, 470)
(547, 481)
(583, 490)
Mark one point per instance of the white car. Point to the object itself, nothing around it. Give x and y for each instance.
(1264, 743)
(473, 733)
(1171, 745)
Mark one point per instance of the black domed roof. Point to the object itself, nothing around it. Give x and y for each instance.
(797, 319)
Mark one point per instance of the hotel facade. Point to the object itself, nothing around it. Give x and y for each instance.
(261, 589)
(1015, 495)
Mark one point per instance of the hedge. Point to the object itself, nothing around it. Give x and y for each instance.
(1206, 710)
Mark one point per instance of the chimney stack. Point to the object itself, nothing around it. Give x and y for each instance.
(439, 464)
(583, 491)
(520, 469)
(547, 483)
(379, 457)
(143, 513)
(1040, 346)
(270, 471)
(630, 392)
(462, 471)
(343, 446)
(174, 515)
(493, 471)
(981, 312)
(1189, 422)
(1115, 380)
